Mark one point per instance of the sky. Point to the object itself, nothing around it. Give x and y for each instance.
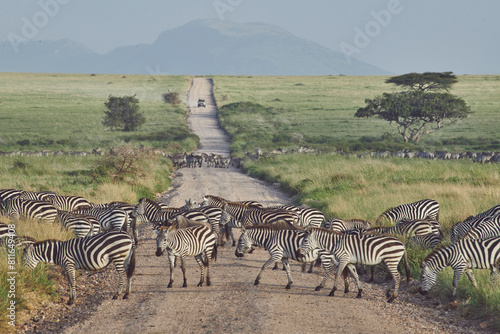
(400, 36)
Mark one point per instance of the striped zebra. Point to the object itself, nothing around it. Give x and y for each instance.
(488, 213)
(9, 237)
(255, 216)
(80, 224)
(459, 230)
(232, 216)
(281, 245)
(17, 208)
(219, 201)
(407, 228)
(307, 217)
(349, 250)
(9, 193)
(150, 211)
(37, 195)
(68, 203)
(489, 228)
(90, 253)
(423, 209)
(431, 240)
(197, 241)
(463, 256)
(111, 218)
(340, 225)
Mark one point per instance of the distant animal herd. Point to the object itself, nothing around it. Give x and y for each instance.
(287, 232)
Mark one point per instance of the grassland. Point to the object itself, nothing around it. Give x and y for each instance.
(64, 112)
(321, 111)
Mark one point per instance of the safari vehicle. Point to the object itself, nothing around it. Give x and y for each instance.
(201, 103)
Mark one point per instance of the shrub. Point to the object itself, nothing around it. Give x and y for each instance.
(123, 112)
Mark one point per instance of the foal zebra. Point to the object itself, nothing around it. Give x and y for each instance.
(90, 253)
(352, 249)
(197, 241)
(423, 209)
(17, 208)
(281, 245)
(464, 255)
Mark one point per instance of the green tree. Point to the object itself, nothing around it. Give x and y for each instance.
(420, 110)
(123, 113)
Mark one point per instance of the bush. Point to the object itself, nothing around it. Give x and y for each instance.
(172, 98)
(123, 112)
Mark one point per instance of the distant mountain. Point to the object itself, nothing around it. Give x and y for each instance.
(201, 47)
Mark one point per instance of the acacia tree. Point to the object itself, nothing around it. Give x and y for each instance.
(123, 113)
(420, 110)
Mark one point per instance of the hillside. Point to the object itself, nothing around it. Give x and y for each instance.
(198, 47)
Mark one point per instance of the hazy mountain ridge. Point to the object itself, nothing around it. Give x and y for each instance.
(198, 48)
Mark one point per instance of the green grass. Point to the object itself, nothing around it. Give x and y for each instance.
(64, 111)
(322, 108)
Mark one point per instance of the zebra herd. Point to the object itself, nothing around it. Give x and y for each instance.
(192, 160)
(106, 233)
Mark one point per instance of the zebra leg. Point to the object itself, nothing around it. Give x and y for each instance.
(327, 264)
(352, 268)
(199, 259)
(183, 268)
(267, 264)
(70, 271)
(470, 274)
(456, 277)
(286, 265)
(171, 262)
(123, 277)
(392, 267)
(340, 269)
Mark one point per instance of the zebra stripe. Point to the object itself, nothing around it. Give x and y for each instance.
(37, 195)
(68, 203)
(111, 219)
(9, 193)
(80, 224)
(430, 240)
(18, 241)
(408, 228)
(90, 253)
(489, 228)
(17, 208)
(308, 217)
(423, 209)
(351, 249)
(281, 245)
(341, 225)
(197, 241)
(219, 201)
(256, 216)
(459, 230)
(464, 255)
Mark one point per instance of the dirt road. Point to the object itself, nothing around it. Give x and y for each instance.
(233, 304)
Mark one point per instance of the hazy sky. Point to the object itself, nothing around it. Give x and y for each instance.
(397, 35)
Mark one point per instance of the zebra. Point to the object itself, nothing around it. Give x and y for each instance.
(256, 216)
(37, 195)
(9, 193)
(281, 245)
(489, 228)
(464, 255)
(89, 253)
(111, 218)
(197, 241)
(488, 213)
(306, 216)
(8, 237)
(408, 228)
(17, 208)
(68, 203)
(232, 216)
(459, 230)
(219, 201)
(423, 209)
(339, 225)
(352, 249)
(214, 213)
(431, 240)
(80, 224)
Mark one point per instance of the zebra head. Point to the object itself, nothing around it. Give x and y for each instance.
(308, 244)
(139, 209)
(245, 244)
(225, 217)
(190, 204)
(427, 279)
(161, 238)
(29, 258)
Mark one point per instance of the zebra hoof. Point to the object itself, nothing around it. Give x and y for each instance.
(125, 296)
(331, 294)
(359, 294)
(169, 285)
(288, 286)
(70, 301)
(256, 282)
(209, 283)
(200, 285)
(184, 285)
(319, 287)
(115, 296)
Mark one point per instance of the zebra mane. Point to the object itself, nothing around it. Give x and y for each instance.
(216, 197)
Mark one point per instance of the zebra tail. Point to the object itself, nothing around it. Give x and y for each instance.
(131, 263)
(214, 253)
(407, 269)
